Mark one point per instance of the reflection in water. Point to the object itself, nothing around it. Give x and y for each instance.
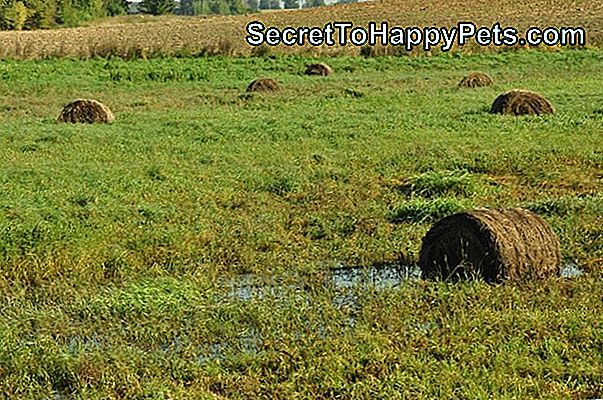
(570, 270)
(341, 280)
(247, 287)
(382, 277)
(345, 285)
(345, 282)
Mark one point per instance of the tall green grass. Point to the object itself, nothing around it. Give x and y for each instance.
(114, 238)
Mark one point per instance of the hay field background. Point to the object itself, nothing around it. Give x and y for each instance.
(146, 35)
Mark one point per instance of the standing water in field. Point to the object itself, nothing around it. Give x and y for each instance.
(345, 286)
(343, 281)
(570, 270)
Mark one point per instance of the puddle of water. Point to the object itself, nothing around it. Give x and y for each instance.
(346, 281)
(249, 342)
(248, 287)
(339, 279)
(388, 276)
(570, 270)
(211, 352)
(77, 343)
(343, 281)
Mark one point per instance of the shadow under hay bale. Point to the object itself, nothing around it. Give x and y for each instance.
(86, 111)
(476, 79)
(490, 244)
(318, 69)
(263, 85)
(522, 102)
(381, 51)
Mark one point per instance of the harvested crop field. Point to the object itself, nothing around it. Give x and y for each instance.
(224, 34)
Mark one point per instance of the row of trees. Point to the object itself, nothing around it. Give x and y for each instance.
(201, 7)
(41, 14)
(35, 14)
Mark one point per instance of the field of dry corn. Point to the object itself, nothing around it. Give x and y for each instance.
(146, 35)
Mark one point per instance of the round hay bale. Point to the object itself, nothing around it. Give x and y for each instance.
(491, 244)
(318, 69)
(476, 79)
(86, 111)
(522, 102)
(263, 85)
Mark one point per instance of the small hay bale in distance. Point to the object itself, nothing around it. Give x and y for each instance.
(476, 79)
(490, 244)
(86, 111)
(321, 69)
(263, 85)
(522, 102)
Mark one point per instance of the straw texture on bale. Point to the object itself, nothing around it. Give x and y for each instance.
(263, 85)
(318, 69)
(86, 111)
(476, 79)
(522, 102)
(491, 244)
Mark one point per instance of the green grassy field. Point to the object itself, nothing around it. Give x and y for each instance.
(117, 241)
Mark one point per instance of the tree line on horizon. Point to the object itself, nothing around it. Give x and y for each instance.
(45, 14)
(201, 7)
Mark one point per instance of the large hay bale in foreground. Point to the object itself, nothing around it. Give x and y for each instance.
(318, 69)
(476, 79)
(491, 244)
(522, 102)
(263, 85)
(86, 111)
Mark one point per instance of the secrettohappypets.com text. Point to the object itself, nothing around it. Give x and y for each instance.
(345, 33)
